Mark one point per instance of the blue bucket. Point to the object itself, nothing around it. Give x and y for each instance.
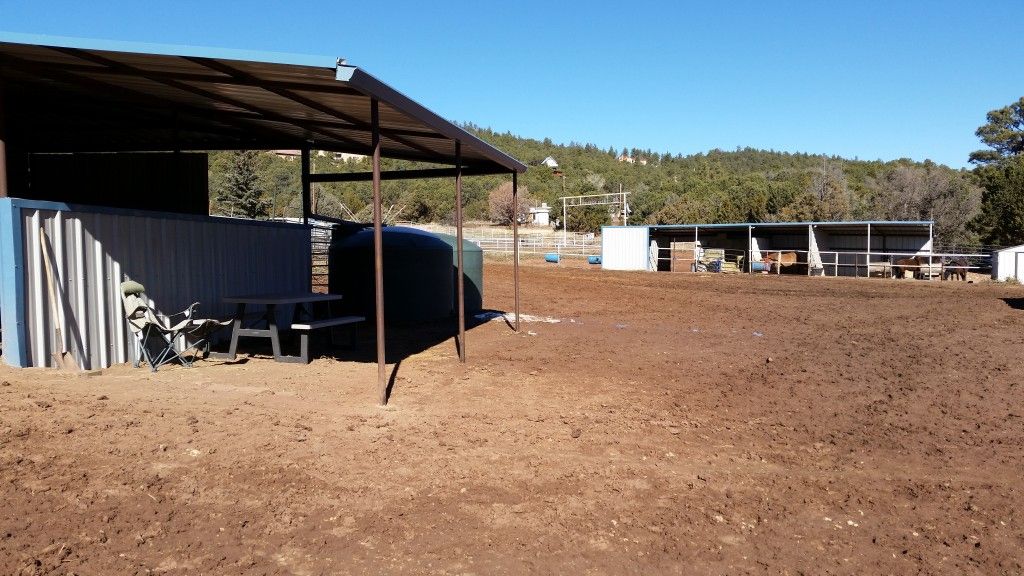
(594, 259)
(760, 267)
(551, 257)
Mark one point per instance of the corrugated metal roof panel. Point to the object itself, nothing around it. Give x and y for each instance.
(70, 81)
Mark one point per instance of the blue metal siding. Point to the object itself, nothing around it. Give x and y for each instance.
(179, 259)
(12, 302)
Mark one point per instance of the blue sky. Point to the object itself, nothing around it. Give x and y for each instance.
(856, 79)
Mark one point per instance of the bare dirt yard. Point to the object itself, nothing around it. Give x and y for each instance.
(670, 424)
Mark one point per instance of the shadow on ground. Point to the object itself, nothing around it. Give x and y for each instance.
(401, 340)
(1015, 303)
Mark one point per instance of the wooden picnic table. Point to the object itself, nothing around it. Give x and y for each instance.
(299, 300)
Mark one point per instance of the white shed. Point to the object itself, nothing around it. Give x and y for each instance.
(540, 215)
(1008, 263)
(625, 248)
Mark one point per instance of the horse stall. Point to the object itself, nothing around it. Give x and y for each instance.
(850, 249)
(873, 248)
(704, 248)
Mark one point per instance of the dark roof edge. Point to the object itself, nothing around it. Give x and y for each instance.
(371, 86)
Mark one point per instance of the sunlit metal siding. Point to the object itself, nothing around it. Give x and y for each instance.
(1008, 263)
(179, 259)
(624, 248)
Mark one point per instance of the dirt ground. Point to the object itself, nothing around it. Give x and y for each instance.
(674, 424)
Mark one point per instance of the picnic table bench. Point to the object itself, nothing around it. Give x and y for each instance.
(302, 321)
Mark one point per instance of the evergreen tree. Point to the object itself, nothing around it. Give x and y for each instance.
(1001, 172)
(241, 193)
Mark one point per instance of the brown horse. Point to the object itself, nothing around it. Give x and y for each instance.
(776, 261)
(899, 267)
(953, 268)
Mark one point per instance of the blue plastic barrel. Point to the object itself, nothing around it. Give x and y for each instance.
(760, 267)
(551, 257)
(594, 259)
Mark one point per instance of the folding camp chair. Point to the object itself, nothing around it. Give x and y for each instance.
(157, 341)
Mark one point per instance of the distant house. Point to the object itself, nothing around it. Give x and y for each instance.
(631, 160)
(288, 154)
(346, 156)
(540, 215)
(550, 162)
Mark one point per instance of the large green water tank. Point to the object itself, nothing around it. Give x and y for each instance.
(417, 274)
(473, 278)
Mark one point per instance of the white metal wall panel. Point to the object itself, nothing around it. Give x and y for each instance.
(1008, 263)
(179, 260)
(625, 248)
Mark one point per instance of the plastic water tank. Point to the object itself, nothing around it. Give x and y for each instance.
(417, 274)
(473, 278)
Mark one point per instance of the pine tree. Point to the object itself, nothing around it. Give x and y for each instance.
(241, 194)
(1001, 172)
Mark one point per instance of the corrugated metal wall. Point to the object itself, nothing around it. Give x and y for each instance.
(624, 248)
(179, 259)
(1008, 263)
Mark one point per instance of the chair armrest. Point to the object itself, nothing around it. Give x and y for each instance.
(187, 312)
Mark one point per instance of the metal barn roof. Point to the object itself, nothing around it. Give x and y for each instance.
(880, 226)
(74, 95)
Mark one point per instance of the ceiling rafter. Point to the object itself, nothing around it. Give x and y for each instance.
(202, 92)
(308, 102)
(135, 96)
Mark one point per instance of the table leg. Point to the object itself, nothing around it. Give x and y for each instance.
(275, 340)
(236, 328)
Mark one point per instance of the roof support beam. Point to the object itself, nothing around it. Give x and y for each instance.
(204, 93)
(3, 144)
(307, 102)
(458, 252)
(515, 243)
(378, 255)
(306, 198)
(219, 79)
(405, 174)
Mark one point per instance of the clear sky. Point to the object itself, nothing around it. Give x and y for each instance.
(866, 79)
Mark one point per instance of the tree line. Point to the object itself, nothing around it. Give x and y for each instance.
(982, 206)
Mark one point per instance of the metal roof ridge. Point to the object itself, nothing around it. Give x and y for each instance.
(804, 223)
(373, 86)
(160, 49)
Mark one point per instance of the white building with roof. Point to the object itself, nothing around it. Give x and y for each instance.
(1008, 264)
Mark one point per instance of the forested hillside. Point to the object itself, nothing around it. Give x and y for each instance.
(743, 185)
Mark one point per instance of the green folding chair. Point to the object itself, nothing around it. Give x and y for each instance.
(159, 342)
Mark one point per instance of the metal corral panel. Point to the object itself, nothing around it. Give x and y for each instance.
(179, 259)
(625, 248)
(1008, 263)
(888, 243)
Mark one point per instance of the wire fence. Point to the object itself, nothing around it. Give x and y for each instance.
(920, 265)
(530, 241)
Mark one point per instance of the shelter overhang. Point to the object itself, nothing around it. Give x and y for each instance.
(75, 95)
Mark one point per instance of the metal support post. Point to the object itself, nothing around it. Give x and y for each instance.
(306, 203)
(565, 224)
(515, 247)
(378, 252)
(458, 249)
(868, 257)
(4, 190)
(750, 249)
(931, 248)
